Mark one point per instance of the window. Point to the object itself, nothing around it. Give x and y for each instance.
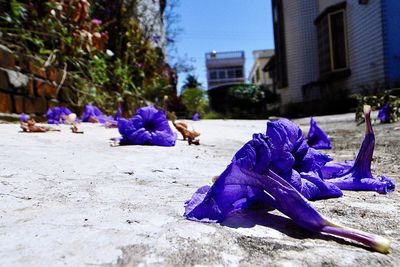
(332, 41)
(231, 74)
(280, 44)
(213, 75)
(239, 73)
(258, 75)
(221, 74)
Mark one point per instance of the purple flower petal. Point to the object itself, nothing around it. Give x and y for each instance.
(93, 112)
(118, 115)
(196, 117)
(148, 127)
(384, 113)
(317, 138)
(335, 169)
(290, 155)
(239, 188)
(23, 117)
(57, 115)
(359, 176)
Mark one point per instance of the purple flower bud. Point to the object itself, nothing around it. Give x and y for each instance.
(316, 137)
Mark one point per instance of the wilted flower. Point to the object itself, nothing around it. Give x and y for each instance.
(240, 188)
(279, 171)
(196, 117)
(384, 113)
(118, 115)
(93, 114)
(148, 127)
(57, 115)
(316, 137)
(296, 162)
(359, 176)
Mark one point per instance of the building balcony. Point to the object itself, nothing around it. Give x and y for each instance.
(225, 59)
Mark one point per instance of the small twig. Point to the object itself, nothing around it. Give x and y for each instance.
(63, 78)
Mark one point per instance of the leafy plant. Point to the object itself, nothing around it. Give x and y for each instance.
(377, 101)
(195, 100)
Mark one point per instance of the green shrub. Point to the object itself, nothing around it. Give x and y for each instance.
(194, 100)
(213, 116)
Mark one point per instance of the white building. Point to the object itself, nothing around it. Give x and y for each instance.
(257, 74)
(326, 48)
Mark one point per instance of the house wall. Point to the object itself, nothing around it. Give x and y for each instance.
(260, 59)
(365, 44)
(301, 47)
(391, 40)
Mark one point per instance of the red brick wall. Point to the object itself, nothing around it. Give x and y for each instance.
(26, 86)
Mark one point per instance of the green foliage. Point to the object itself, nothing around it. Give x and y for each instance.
(377, 101)
(213, 116)
(60, 33)
(248, 93)
(194, 100)
(191, 82)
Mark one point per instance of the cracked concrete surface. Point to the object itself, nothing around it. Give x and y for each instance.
(68, 199)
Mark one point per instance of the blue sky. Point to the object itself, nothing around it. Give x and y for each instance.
(223, 25)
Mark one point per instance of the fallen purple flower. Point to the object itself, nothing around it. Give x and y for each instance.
(148, 127)
(93, 114)
(359, 176)
(384, 113)
(316, 137)
(23, 117)
(59, 115)
(196, 117)
(335, 169)
(294, 160)
(239, 188)
(118, 115)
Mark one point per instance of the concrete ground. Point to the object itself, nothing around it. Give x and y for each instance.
(70, 199)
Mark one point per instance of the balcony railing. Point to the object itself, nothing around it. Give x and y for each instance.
(225, 55)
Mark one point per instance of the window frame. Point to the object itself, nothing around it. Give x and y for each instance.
(329, 67)
(329, 15)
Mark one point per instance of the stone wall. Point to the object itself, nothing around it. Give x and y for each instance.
(26, 86)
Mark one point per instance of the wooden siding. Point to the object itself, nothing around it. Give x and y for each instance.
(365, 44)
(301, 48)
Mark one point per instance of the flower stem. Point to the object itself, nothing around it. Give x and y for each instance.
(376, 242)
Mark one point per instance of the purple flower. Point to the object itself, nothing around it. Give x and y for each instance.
(359, 176)
(384, 113)
(93, 114)
(239, 188)
(196, 117)
(118, 115)
(57, 115)
(316, 137)
(148, 127)
(296, 162)
(335, 169)
(23, 117)
(97, 22)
